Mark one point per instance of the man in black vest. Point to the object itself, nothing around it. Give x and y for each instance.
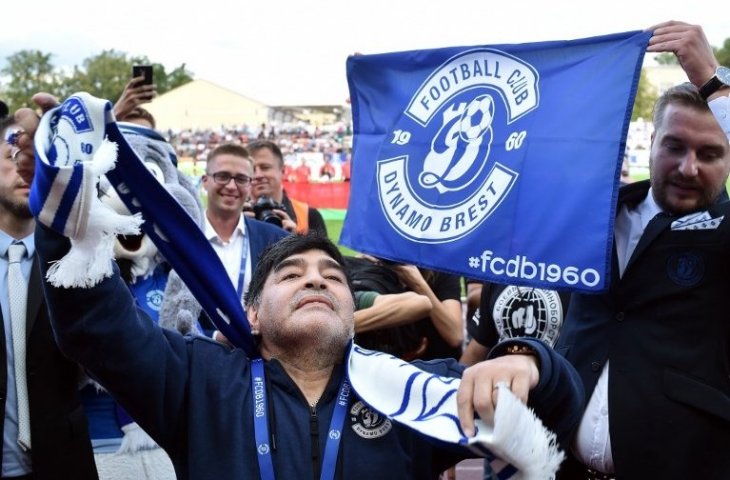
(654, 351)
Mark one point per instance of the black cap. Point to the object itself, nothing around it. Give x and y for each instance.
(3, 109)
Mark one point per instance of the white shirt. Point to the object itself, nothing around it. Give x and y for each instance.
(230, 252)
(592, 444)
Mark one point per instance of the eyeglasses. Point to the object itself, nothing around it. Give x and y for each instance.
(222, 178)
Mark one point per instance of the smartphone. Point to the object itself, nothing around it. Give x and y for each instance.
(143, 70)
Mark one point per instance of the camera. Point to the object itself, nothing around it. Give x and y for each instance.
(263, 210)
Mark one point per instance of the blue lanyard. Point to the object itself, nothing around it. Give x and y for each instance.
(261, 425)
(242, 272)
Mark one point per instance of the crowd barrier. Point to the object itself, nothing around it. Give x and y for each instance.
(334, 195)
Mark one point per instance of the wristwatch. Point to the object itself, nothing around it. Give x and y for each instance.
(522, 349)
(719, 80)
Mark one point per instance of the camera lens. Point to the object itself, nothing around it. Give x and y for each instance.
(270, 217)
(263, 208)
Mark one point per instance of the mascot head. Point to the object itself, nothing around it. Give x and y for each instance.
(137, 255)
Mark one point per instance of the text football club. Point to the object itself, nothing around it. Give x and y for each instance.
(496, 162)
(445, 170)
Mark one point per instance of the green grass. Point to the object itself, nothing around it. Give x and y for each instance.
(334, 219)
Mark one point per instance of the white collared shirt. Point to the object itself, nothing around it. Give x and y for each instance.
(629, 227)
(230, 252)
(592, 444)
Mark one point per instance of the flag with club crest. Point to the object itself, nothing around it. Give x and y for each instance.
(493, 162)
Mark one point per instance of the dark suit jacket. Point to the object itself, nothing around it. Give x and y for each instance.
(664, 327)
(262, 235)
(59, 434)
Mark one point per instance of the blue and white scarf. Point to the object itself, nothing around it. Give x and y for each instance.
(75, 144)
(517, 446)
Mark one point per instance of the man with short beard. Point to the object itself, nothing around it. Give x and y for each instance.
(44, 428)
(654, 352)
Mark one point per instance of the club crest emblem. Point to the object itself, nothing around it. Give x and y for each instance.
(368, 423)
(154, 299)
(446, 166)
(686, 269)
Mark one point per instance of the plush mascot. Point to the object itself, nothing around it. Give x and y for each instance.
(123, 450)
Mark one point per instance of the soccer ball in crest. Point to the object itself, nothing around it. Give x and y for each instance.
(477, 118)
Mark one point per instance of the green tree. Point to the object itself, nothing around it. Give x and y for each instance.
(177, 77)
(646, 95)
(723, 54)
(28, 72)
(104, 75)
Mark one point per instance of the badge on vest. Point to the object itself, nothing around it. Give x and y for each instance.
(368, 423)
(686, 269)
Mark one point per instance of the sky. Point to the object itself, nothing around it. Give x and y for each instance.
(285, 52)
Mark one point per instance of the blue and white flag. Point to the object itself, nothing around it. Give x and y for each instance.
(496, 162)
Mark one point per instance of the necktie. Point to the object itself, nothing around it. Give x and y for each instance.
(18, 296)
